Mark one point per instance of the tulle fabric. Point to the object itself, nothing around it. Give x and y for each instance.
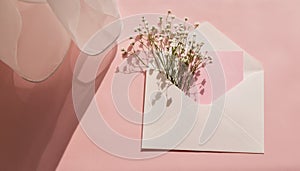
(36, 34)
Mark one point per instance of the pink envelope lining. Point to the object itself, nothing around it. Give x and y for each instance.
(232, 68)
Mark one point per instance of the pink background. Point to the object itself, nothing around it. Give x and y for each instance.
(233, 68)
(268, 30)
(37, 119)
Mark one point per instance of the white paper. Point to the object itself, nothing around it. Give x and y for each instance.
(182, 124)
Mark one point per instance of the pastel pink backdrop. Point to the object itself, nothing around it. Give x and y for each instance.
(268, 30)
(37, 119)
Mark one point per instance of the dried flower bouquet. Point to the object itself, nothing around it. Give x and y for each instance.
(171, 49)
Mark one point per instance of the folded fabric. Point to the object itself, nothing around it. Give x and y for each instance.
(36, 34)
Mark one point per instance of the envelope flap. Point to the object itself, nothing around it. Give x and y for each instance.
(240, 130)
(219, 42)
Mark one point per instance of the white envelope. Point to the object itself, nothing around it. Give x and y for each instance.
(183, 124)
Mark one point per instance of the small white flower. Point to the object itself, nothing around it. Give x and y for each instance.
(173, 44)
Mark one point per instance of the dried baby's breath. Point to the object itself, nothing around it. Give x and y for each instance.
(174, 52)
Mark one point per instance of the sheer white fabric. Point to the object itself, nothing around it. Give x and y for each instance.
(36, 34)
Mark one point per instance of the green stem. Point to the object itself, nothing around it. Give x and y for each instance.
(137, 56)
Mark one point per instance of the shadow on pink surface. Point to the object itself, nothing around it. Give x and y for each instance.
(268, 30)
(38, 119)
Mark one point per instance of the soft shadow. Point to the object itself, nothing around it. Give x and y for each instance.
(38, 119)
(133, 65)
(193, 151)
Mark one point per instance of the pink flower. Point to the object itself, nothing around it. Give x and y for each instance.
(124, 54)
(166, 40)
(138, 37)
(130, 47)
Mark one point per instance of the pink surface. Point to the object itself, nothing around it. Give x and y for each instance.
(268, 30)
(33, 42)
(233, 68)
(37, 119)
(32, 114)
